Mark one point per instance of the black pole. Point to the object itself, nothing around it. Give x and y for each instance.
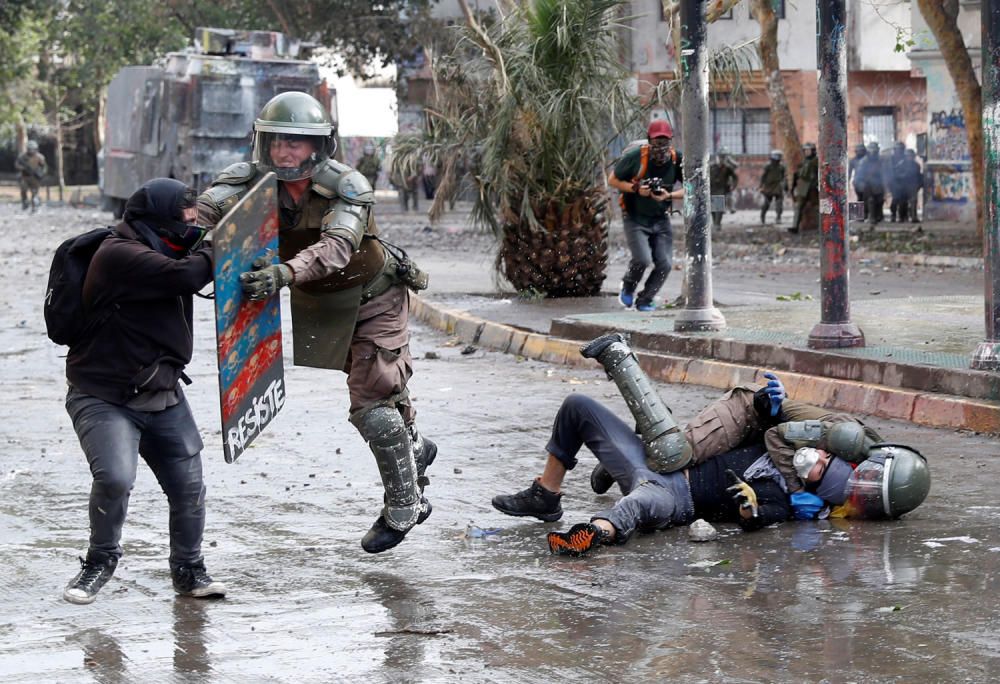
(835, 328)
(987, 354)
(699, 312)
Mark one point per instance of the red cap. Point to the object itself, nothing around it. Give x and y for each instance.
(659, 128)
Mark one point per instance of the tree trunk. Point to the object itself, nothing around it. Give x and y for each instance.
(942, 19)
(781, 116)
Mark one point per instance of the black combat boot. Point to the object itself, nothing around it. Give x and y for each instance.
(194, 580)
(381, 537)
(600, 479)
(580, 539)
(94, 574)
(594, 348)
(535, 501)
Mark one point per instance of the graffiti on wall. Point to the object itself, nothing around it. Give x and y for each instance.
(947, 139)
(951, 185)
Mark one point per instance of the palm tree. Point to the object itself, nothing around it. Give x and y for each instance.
(527, 107)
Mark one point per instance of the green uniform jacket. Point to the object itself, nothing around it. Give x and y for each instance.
(807, 178)
(772, 181)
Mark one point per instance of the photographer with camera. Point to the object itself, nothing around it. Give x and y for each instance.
(646, 176)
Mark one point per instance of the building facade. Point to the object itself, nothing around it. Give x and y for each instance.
(886, 101)
(949, 189)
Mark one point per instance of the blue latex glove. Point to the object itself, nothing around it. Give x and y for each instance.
(806, 506)
(775, 391)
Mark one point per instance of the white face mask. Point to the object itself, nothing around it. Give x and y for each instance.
(805, 459)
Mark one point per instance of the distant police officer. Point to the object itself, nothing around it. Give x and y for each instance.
(722, 181)
(369, 165)
(871, 179)
(349, 292)
(805, 185)
(852, 172)
(31, 168)
(773, 184)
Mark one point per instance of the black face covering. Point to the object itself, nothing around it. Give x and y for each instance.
(157, 207)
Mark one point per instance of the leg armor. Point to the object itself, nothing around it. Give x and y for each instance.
(666, 448)
(801, 433)
(383, 428)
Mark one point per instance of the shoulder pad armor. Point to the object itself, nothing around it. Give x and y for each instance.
(236, 174)
(221, 198)
(334, 179)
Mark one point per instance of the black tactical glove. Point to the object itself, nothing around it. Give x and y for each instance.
(265, 279)
(743, 494)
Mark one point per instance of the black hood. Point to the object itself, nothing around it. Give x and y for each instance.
(159, 204)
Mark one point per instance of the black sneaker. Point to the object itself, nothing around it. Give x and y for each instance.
(381, 537)
(600, 479)
(594, 348)
(194, 580)
(92, 576)
(535, 501)
(580, 539)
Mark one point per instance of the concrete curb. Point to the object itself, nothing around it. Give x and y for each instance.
(859, 256)
(932, 410)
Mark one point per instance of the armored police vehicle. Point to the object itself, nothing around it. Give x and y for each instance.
(190, 116)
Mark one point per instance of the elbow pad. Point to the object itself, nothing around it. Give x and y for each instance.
(348, 221)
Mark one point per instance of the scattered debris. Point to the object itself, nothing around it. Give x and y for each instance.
(432, 355)
(468, 349)
(702, 531)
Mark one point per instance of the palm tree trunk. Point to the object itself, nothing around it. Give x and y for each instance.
(942, 19)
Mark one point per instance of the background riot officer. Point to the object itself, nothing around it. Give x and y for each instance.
(349, 292)
(805, 185)
(773, 184)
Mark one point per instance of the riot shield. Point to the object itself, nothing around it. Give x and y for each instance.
(251, 373)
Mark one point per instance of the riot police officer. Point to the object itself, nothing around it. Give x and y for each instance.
(805, 185)
(31, 168)
(349, 290)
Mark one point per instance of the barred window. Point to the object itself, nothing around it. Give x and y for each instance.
(741, 131)
(879, 125)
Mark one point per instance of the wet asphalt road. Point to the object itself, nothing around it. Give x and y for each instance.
(911, 600)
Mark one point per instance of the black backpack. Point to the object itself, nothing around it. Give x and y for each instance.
(66, 320)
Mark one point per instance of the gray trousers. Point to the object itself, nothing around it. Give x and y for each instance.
(648, 245)
(651, 501)
(112, 438)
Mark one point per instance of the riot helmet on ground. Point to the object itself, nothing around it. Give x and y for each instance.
(893, 480)
(292, 136)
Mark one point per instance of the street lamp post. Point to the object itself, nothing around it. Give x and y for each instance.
(987, 354)
(699, 312)
(835, 329)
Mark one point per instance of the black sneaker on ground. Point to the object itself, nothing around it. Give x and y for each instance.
(535, 501)
(194, 580)
(600, 479)
(580, 539)
(92, 576)
(381, 537)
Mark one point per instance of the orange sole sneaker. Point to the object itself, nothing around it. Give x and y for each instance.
(577, 541)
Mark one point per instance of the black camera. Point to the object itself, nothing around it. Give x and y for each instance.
(655, 185)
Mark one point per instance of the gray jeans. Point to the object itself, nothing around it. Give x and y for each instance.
(652, 501)
(648, 245)
(112, 438)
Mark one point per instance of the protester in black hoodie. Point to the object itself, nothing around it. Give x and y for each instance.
(124, 396)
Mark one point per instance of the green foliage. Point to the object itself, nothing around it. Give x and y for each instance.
(527, 106)
(65, 52)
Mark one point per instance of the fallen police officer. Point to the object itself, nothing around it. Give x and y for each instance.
(738, 485)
